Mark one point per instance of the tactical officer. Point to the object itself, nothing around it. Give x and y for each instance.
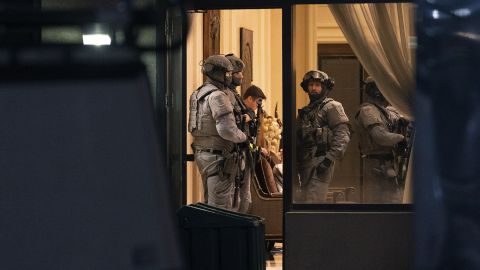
(215, 132)
(242, 197)
(237, 75)
(376, 123)
(323, 135)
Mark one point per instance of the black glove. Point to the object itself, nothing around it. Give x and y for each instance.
(321, 150)
(403, 122)
(324, 165)
(245, 144)
(401, 147)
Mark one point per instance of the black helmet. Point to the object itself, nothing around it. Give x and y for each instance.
(317, 75)
(216, 67)
(237, 63)
(371, 88)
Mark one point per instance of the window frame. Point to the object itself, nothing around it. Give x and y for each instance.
(289, 99)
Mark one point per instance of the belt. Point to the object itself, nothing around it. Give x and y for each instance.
(379, 156)
(213, 151)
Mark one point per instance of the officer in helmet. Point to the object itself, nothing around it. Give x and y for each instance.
(237, 75)
(377, 124)
(323, 134)
(215, 133)
(242, 199)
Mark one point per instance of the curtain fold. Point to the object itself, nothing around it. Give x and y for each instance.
(379, 35)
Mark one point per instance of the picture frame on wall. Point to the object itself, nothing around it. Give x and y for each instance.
(246, 54)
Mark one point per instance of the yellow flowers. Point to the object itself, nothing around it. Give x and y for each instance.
(272, 134)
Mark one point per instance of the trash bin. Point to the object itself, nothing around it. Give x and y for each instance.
(218, 239)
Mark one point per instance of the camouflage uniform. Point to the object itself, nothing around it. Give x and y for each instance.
(376, 124)
(215, 133)
(323, 133)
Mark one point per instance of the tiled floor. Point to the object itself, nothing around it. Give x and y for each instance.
(276, 264)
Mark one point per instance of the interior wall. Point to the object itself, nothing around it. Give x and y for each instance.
(194, 80)
(267, 48)
(327, 29)
(275, 95)
(304, 48)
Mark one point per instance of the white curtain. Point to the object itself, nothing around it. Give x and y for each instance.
(380, 36)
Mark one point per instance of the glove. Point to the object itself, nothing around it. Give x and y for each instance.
(324, 165)
(401, 147)
(403, 122)
(321, 150)
(245, 144)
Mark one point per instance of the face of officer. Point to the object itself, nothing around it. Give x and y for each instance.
(251, 102)
(314, 87)
(228, 78)
(237, 78)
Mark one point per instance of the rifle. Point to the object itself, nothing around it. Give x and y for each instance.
(250, 151)
(239, 149)
(276, 115)
(258, 120)
(238, 176)
(402, 156)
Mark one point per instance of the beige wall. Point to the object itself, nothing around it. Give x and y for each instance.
(327, 28)
(267, 47)
(194, 80)
(275, 95)
(304, 48)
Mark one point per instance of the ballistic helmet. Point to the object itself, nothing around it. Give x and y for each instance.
(237, 63)
(371, 88)
(218, 68)
(317, 75)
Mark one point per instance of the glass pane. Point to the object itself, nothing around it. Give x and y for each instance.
(256, 186)
(354, 75)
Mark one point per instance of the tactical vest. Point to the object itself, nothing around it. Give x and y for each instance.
(201, 124)
(238, 108)
(379, 117)
(313, 132)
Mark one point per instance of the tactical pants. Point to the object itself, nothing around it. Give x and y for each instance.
(218, 190)
(245, 195)
(314, 185)
(378, 185)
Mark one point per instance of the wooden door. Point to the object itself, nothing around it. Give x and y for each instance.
(339, 62)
